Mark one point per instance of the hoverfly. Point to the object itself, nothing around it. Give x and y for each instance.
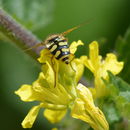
(58, 46)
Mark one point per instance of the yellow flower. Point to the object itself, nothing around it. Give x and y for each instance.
(54, 129)
(30, 118)
(84, 109)
(54, 116)
(55, 99)
(99, 67)
(57, 90)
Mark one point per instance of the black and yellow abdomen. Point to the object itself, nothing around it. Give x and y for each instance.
(58, 46)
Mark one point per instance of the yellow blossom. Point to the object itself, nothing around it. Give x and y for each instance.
(31, 116)
(57, 90)
(74, 45)
(54, 129)
(84, 109)
(54, 116)
(99, 67)
(56, 99)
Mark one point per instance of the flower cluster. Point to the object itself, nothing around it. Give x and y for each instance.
(99, 68)
(57, 88)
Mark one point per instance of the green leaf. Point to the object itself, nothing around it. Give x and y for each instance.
(119, 94)
(111, 113)
(125, 95)
(34, 14)
(123, 103)
(118, 83)
(123, 50)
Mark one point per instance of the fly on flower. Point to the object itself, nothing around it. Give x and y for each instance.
(58, 46)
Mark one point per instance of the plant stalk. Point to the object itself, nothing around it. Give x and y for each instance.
(10, 30)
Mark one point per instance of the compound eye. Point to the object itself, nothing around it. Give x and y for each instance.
(56, 39)
(53, 39)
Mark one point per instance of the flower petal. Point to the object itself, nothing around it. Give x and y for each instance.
(27, 93)
(54, 116)
(100, 67)
(79, 69)
(85, 110)
(83, 92)
(87, 63)
(94, 55)
(44, 55)
(54, 129)
(78, 111)
(74, 45)
(50, 76)
(112, 65)
(94, 51)
(31, 117)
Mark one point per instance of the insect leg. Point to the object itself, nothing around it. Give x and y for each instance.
(35, 46)
(55, 77)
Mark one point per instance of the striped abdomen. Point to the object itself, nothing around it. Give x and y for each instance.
(58, 46)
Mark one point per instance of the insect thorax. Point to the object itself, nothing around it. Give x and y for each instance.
(58, 46)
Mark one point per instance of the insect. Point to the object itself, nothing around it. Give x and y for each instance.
(58, 46)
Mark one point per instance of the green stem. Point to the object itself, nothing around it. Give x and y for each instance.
(12, 31)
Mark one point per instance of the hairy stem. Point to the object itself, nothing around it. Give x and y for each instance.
(10, 30)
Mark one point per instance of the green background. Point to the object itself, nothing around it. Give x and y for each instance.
(108, 19)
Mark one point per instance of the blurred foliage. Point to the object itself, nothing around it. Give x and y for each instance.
(123, 50)
(34, 14)
(117, 105)
(120, 94)
(109, 19)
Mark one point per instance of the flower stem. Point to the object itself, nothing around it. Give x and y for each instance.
(12, 31)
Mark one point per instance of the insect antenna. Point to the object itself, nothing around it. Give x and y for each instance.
(35, 46)
(74, 28)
